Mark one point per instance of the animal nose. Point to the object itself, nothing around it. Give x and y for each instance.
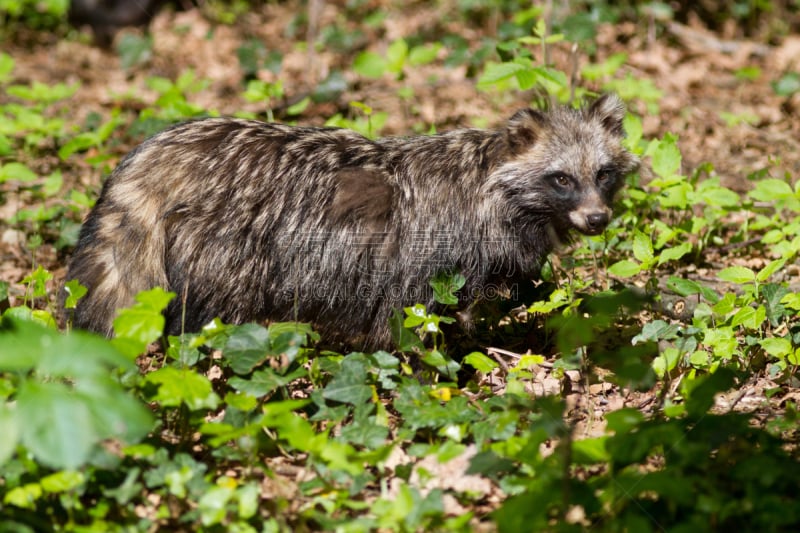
(596, 221)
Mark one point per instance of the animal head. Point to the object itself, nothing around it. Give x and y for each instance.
(565, 165)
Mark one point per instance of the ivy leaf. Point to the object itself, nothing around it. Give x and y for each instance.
(183, 386)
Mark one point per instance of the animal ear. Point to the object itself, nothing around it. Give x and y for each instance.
(610, 111)
(524, 128)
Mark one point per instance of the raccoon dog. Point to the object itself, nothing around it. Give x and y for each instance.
(249, 221)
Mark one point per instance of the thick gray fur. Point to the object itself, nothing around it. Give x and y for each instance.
(248, 221)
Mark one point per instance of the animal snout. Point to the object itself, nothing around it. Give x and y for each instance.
(596, 222)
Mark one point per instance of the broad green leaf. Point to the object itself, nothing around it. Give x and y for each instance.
(249, 498)
(590, 451)
(666, 157)
(58, 428)
(17, 172)
(63, 481)
(247, 347)
(349, 385)
(480, 362)
(213, 504)
(725, 305)
(396, 55)
(6, 66)
(142, 323)
(676, 196)
(683, 287)
(370, 65)
(444, 287)
(24, 497)
(771, 267)
(771, 189)
(776, 346)
(443, 364)
(496, 72)
(623, 420)
(624, 269)
(787, 85)
(674, 253)
(792, 301)
(737, 274)
(749, 317)
(183, 386)
(264, 381)
(642, 247)
(719, 196)
(423, 54)
(75, 291)
(10, 435)
(633, 132)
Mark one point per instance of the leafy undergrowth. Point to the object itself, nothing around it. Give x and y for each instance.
(649, 385)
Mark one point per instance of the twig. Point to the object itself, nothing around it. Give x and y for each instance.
(706, 41)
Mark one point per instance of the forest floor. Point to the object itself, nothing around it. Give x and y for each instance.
(738, 125)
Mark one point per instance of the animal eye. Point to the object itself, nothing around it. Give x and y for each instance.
(604, 175)
(561, 180)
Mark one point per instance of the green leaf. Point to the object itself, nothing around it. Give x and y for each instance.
(424, 54)
(445, 286)
(17, 172)
(299, 107)
(674, 253)
(725, 305)
(787, 85)
(771, 267)
(183, 386)
(771, 189)
(496, 72)
(62, 481)
(480, 362)
(396, 55)
(666, 157)
(10, 435)
(348, 386)
(405, 339)
(264, 381)
(134, 49)
(6, 67)
(213, 504)
(623, 420)
(75, 291)
(749, 317)
(590, 451)
(442, 363)
(58, 428)
(370, 65)
(683, 287)
(792, 301)
(624, 269)
(633, 132)
(776, 346)
(718, 196)
(737, 274)
(142, 323)
(38, 280)
(642, 247)
(247, 347)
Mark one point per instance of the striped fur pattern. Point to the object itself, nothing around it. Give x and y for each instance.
(248, 221)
